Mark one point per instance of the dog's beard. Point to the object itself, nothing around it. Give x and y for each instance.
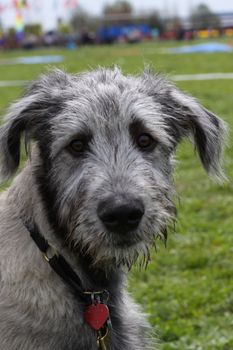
(111, 250)
(110, 256)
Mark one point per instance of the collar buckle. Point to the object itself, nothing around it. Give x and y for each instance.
(50, 253)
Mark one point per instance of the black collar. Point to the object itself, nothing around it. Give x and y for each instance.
(62, 268)
(95, 302)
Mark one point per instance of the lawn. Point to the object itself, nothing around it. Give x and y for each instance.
(188, 287)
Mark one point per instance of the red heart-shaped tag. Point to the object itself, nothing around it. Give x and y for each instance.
(96, 315)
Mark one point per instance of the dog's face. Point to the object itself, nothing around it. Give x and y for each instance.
(106, 144)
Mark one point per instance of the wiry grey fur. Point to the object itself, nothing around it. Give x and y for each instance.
(61, 192)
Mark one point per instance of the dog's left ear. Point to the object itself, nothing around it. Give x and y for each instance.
(185, 117)
(207, 131)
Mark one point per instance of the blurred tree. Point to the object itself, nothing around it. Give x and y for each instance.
(202, 17)
(119, 12)
(118, 8)
(83, 21)
(64, 28)
(35, 29)
(155, 21)
(12, 32)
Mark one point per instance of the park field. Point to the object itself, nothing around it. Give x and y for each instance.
(187, 288)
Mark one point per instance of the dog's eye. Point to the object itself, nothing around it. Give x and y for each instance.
(77, 146)
(146, 142)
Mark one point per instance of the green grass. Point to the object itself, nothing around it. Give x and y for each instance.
(188, 287)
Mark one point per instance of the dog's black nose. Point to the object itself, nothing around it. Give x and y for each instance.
(121, 214)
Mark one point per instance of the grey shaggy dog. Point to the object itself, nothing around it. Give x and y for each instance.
(98, 183)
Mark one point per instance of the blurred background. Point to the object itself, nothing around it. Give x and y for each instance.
(36, 23)
(187, 288)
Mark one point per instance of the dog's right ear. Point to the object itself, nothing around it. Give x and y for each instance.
(10, 136)
(28, 116)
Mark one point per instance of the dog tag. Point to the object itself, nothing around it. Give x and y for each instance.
(96, 315)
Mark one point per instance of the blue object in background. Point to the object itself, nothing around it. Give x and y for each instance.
(112, 33)
(39, 59)
(203, 48)
(32, 60)
(71, 45)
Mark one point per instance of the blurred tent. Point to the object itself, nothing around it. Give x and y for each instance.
(108, 34)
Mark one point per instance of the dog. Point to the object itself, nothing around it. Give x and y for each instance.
(97, 189)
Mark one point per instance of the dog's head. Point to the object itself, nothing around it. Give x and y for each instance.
(106, 144)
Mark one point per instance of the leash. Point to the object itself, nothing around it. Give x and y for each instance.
(96, 313)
